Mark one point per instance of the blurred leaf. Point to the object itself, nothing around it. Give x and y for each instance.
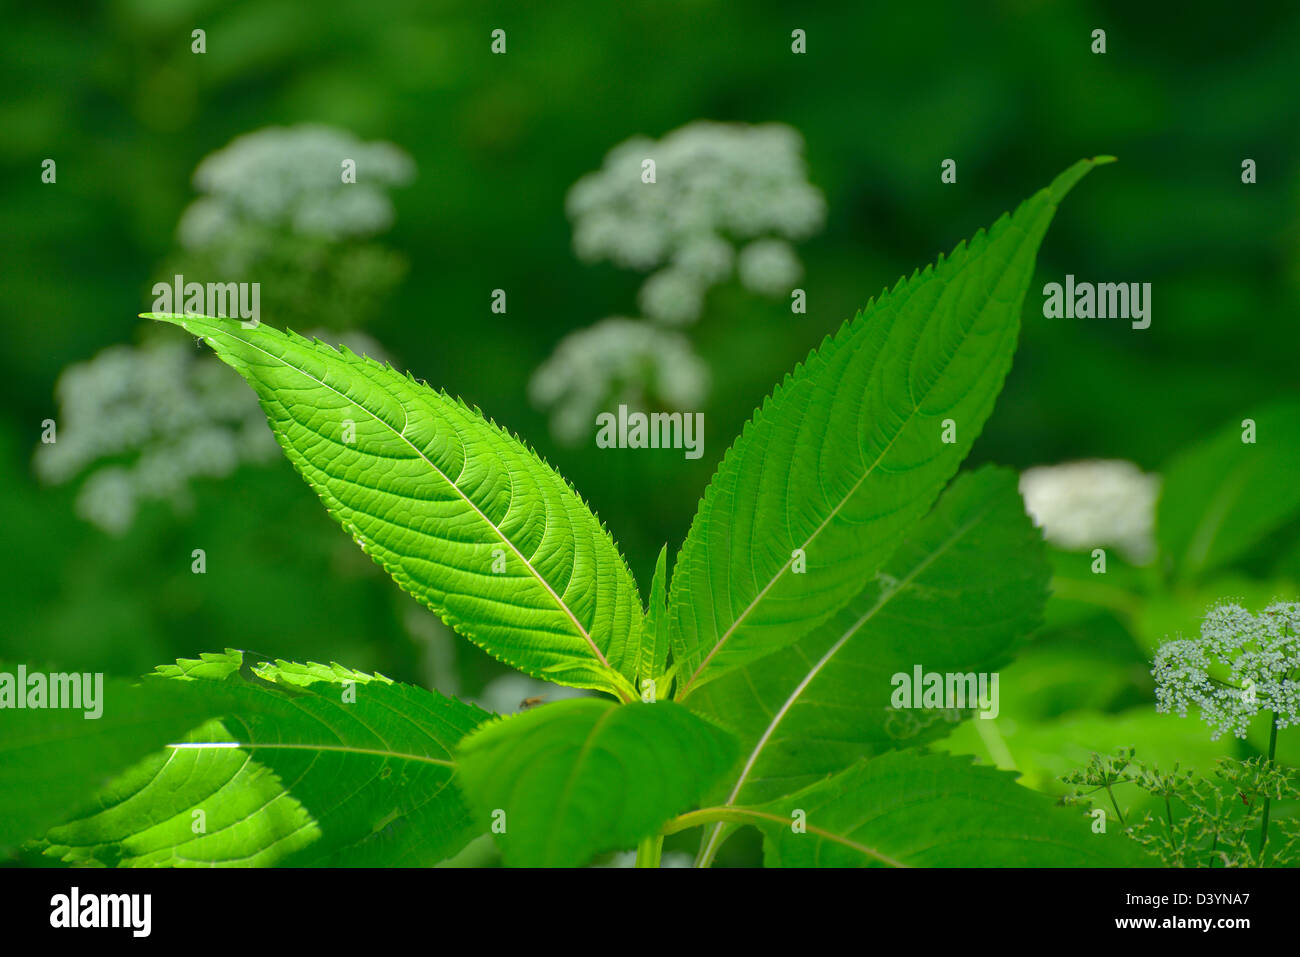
(1223, 495)
(1079, 594)
(1096, 667)
(1178, 611)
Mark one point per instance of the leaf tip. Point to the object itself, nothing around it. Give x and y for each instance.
(1067, 179)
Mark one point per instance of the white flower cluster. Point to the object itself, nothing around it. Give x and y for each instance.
(151, 418)
(291, 178)
(715, 184)
(1082, 505)
(1242, 665)
(142, 422)
(616, 361)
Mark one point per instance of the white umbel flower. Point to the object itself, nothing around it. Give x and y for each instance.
(769, 266)
(291, 178)
(616, 361)
(714, 182)
(716, 186)
(673, 296)
(144, 421)
(1241, 666)
(141, 423)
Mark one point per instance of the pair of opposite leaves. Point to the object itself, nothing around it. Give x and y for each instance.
(838, 463)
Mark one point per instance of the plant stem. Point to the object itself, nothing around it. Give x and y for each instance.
(1272, 750)
(1115, 805)
(995, 744)
(650, 851)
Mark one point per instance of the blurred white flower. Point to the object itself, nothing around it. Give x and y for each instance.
(616, 361)
(274, 209)
(712, 180)
(145, 421)
(1083, 505)
(716, 185)
(672, 296)
(707, 258)
(142, 422)
(769, 266)
(291, 178)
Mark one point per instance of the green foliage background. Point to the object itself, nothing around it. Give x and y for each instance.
(884, 94)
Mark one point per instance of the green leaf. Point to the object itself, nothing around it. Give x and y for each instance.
(321, 765)
(906, 809)
(654, 632)
(52, 760)
(582, 776)
(1223, 495)
(963, 590)
(441, 497)
(849, 452)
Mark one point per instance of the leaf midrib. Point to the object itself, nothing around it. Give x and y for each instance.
(340, 748)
